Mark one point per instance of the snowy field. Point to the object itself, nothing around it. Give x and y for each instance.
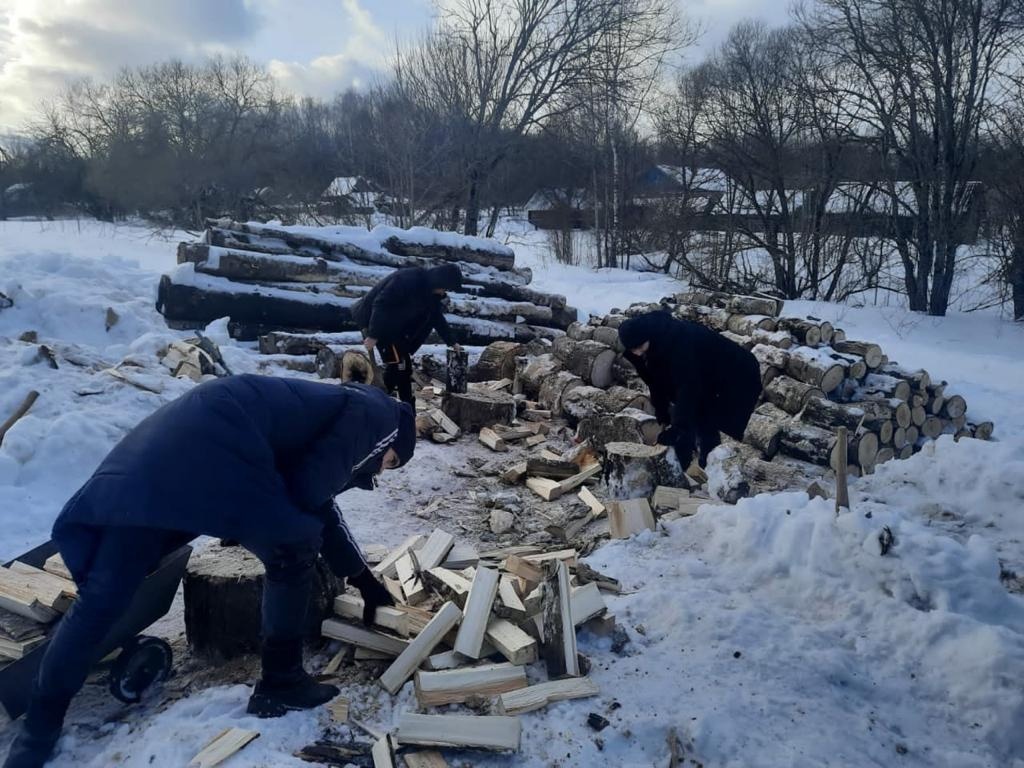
(766, 634)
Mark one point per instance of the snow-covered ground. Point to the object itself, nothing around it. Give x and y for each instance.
(767, 634)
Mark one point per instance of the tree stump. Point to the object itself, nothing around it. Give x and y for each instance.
(474, 410)
(223, 601)
(632, 470)
(497, 361)
(630, 425)
(737, 472)
(458, 362)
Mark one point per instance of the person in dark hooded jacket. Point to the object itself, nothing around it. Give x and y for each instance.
(701, 383)
(262, 459)
(399, 313)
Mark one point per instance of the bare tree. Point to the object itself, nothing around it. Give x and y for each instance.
(925, 71)
(498, 69)
(1006, 206)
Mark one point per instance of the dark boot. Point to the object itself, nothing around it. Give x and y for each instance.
(285, 686)
(40, 731)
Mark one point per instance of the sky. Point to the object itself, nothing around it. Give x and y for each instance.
(313, 47)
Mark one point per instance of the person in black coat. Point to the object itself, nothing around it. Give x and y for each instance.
(255, 459)
(701, 383)
(399, 313)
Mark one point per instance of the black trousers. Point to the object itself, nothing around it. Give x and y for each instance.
(123, 558)
(397, 371)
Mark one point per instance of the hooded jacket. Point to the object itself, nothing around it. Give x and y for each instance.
(402, 309)
(705, 379)
(249, 458)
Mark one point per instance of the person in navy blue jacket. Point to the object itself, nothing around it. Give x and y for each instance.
(263, 459)
(701, 383)
(398, 314)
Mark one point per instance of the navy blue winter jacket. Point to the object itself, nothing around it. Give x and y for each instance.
(256, 459)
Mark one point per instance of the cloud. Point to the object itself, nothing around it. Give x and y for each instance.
(361, 58)
(44, 45)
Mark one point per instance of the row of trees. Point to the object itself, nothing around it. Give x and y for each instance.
(903, 101)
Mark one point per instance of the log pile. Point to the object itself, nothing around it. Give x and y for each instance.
(815, 379)
(462, 631)
(267, 278)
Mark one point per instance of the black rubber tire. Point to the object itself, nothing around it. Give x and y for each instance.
(143, 662)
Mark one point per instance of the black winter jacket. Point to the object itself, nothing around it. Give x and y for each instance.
(402, 310)
(706, 380)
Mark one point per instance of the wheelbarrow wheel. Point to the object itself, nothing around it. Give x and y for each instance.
(142, 662)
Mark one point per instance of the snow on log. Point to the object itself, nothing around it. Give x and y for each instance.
(814, 367)
(872, 353)
(826, 414)
(190, 297)
(807, 332)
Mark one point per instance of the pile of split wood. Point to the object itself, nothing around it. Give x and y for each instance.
(30, 600)
(267, 278)
(464, 627)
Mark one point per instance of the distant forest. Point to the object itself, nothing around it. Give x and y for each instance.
(501, 98)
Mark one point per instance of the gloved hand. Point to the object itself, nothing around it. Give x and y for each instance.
(373, 593)
(668, 436)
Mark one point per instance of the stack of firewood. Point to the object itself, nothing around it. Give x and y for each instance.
(463, 629)
(267, 278)
(815, 380)
(30, 600)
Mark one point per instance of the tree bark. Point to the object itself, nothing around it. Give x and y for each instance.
(629, 425)
(633, 470)
(554, 387)
(536, 371)
(458, 362)
(590, 360)
(496, 362)
(473, 411)
(789, 394)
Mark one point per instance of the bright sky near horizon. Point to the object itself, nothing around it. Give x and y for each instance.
(314, 47)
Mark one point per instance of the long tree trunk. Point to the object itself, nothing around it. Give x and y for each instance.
(1017, 276)
(472, 204)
